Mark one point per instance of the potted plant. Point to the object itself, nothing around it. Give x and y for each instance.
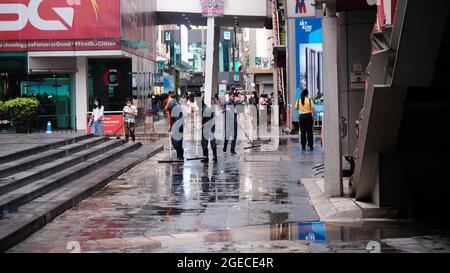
(22, 111)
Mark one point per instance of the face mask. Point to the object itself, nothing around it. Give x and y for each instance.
(129, 104)
(96, 103)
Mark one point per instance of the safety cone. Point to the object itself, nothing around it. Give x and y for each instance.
(49, 128)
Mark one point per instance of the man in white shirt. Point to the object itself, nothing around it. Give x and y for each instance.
(130, 114)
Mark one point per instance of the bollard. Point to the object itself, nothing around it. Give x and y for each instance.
(49, 128)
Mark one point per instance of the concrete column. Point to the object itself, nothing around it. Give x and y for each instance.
(291, 54)
(81, 93)
(212, 60)
(332, 142)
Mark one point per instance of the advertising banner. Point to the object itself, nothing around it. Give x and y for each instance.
(59, 25)
(113, 125)
(59, 45)
(59, 19)
(309, 59)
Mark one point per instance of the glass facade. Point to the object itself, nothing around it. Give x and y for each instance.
(111, 81)
(55, 92)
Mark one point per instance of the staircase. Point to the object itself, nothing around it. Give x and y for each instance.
(38, 184)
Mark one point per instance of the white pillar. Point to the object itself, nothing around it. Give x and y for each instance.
(332, 141)
(81, 97)
(212, 60)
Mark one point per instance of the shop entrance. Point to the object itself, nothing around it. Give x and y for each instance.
(55, 93)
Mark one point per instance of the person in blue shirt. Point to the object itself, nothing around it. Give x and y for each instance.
(231, 125)
(176, 126)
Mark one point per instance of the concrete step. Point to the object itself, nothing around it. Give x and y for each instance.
(36, 150)
(14, 199)
(32, 216)
(31, 161)
(21, 179)
(372, 211)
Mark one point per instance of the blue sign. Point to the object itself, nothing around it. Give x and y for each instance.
(314, 232)
(308, 36)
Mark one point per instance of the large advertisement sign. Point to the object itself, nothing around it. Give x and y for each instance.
(59, 24)
(309, 59)
(59, 19)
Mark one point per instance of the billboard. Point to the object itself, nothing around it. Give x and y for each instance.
(309, 57)
(27, 25)
(59, 19)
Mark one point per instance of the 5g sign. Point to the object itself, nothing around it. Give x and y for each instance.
(31, 14)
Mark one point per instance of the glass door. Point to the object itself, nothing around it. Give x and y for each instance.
(57, 102)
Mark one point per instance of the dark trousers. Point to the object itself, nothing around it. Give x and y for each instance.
(306, 130)
(178, 144)
(231, 135)
(211, 139)
(129, 131)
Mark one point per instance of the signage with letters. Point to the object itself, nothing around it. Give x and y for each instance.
(59, 25)
(300, 8)
(213, 8)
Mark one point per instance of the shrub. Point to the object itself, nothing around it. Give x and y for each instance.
(22, 110)
(2, 107)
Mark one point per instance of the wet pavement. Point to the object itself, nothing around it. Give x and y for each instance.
(257, 187)
(253, 202)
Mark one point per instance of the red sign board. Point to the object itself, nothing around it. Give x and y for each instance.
(59, 19)
(59, 45)
(113, 125)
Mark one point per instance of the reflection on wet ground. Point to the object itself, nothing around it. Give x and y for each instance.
(319, 237)
(259, 186)
(247, 203)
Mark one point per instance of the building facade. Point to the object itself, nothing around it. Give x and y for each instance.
(66, 52)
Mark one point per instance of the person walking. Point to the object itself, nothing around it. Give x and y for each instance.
(97, 117)
(263, 113)
(176, 128)
(230, 123)
(306, 107)
(208, 131)
(130, 113)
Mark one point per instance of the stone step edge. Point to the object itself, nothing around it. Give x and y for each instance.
(56, 168)
(39, 221)
(56, 154)
(61, 181)
(36, 150)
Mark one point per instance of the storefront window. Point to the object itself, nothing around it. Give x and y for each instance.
(56, 96)
(111, 81)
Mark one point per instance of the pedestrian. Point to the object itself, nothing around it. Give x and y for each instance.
(263, 103)
(306, 107)
(208, 131)
(230, 123)
(130, 113)
(176, 125)
(97, 117)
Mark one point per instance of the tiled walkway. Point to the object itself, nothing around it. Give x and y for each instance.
(156, 202)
